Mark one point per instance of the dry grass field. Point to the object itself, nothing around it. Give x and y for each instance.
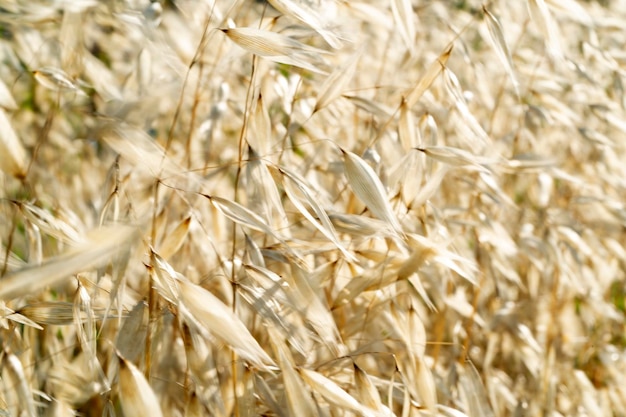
(312, 208)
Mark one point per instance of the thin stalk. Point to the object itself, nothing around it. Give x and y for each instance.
(194, 113)
(45, 131)
(242, 146)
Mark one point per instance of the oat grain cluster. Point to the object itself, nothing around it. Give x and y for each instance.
(312, 208)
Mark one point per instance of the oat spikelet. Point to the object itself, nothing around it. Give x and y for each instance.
(310, 17)
(246, 217)
(12, 152)
(299, 401)
(136, 395)
(8, 314)
(242, 215)
(426, 385)
(455, 90)
(474, 390)
(165, 278)
(85, 322)
(453, 156)
(367, 392)
(50, 224)
(500, 45)
(263, 196)
(573, 10)
(17, 380)
(369, 189)
(324, 224)
(6, 98)
(132, 334)
(174, 240)
(542, 17)
(138, 148)
(277, 47)
(333, 393)
(406, 127)
(56, 79)
(100, 247)
(266, 43)
(261, 140)
(314, 308)
(59, 313)
(403, 15)
(337, 81)
(427, 79)
(71, 39)
(206, 312)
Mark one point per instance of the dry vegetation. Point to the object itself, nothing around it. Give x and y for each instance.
(321, 208)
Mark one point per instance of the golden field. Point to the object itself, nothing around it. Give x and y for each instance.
(312, 208)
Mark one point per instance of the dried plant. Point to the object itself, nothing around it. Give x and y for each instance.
(312, 208)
